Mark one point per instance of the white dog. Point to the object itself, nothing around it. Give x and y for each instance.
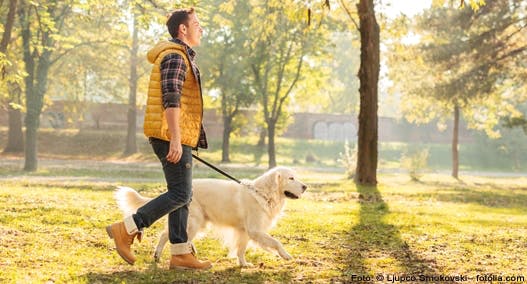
(248, 210)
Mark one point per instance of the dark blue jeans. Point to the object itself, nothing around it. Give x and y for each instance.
(176, 200)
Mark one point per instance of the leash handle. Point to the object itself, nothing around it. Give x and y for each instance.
(215, 168)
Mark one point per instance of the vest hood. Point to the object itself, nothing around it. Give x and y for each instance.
(160, 47)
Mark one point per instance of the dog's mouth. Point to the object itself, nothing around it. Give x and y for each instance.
(290, 195)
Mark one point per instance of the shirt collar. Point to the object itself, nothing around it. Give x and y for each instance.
(191, 51)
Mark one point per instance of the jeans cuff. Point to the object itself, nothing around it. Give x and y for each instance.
(129, 224)
(182, 248)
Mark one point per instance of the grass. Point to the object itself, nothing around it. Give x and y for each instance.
(52, 221)
(51, 228)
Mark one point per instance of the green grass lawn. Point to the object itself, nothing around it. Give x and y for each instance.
(52, 229)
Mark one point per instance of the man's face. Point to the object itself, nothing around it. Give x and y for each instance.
(194, 31)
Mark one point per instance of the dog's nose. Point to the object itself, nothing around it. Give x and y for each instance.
(304, 187)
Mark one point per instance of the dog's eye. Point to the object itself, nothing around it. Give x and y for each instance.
(292, 178)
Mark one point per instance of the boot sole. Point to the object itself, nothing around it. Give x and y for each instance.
(109, 232)
(189, 268)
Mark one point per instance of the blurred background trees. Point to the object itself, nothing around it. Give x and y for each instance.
(455, 61)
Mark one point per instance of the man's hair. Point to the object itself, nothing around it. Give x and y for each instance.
(176, 18)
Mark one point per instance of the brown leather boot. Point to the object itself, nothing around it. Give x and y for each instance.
(188, 261)
(123, 240)
(184, 257)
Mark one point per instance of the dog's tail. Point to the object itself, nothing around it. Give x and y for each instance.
(129, 200)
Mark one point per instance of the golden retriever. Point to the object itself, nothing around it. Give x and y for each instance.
(241, 212)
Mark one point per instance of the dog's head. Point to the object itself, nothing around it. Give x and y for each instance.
(287, 182)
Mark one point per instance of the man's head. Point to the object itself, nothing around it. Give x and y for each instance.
(184, 25)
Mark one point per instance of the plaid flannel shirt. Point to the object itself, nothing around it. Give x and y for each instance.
(173, 70)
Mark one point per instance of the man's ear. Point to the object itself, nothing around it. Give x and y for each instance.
(182, 28)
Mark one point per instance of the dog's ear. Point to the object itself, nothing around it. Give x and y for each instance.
(278, 179)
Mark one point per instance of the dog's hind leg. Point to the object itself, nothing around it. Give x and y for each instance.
(196, 222)
(163, 239)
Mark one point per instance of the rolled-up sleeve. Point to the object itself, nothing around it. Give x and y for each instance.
(173, 71)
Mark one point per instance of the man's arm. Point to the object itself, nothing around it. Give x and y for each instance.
(175, 150)
(173, 71)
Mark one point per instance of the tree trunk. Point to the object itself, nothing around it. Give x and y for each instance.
(36, 85)
(15, 136)
(35, 102)
(271, 127)
(455, 141)
(227, 128)
(131, 144)
(261, 139)
(366, 173)
(31, 162)
(8, 26)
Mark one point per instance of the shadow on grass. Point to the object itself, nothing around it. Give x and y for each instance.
(376, 247)
(160, 275)
(498, 198)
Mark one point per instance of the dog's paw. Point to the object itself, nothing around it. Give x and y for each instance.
(157, 257)
(285, 255)
(246, 265)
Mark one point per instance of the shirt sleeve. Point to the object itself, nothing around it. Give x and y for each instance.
(173, 70)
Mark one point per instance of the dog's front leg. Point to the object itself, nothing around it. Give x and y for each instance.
(243, 240)
(266, 241)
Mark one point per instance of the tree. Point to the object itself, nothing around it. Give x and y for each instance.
(37, 59)
(461, 68)
(366, 171)
(49, 36)
(12, 86)
(140, 19)
(131, 143)
(226, 64)
(278, 52)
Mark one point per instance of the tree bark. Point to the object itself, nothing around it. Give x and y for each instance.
(227, 128)
(36, 85)
(366, 172)
(15, 136)
(10, 21)
(131, 143)
(271, 129)
(455, 142)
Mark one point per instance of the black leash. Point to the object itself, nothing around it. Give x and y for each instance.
(216, 169)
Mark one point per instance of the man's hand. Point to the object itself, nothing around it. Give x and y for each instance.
(175, 151)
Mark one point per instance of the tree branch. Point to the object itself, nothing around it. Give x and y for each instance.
(297, 77)
(87, 43)
(348, 12)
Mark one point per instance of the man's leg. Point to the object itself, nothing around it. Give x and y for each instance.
(124, 232)
(182, 250)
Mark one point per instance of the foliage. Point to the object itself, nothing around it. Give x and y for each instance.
(415, 161)
(471, 62)
(348, 159)
(279, 59)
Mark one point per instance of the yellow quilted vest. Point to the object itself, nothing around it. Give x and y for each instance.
(191, 113)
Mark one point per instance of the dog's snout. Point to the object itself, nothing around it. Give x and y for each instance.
(304, 187)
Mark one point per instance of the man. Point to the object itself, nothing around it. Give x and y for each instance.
(173, 124)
